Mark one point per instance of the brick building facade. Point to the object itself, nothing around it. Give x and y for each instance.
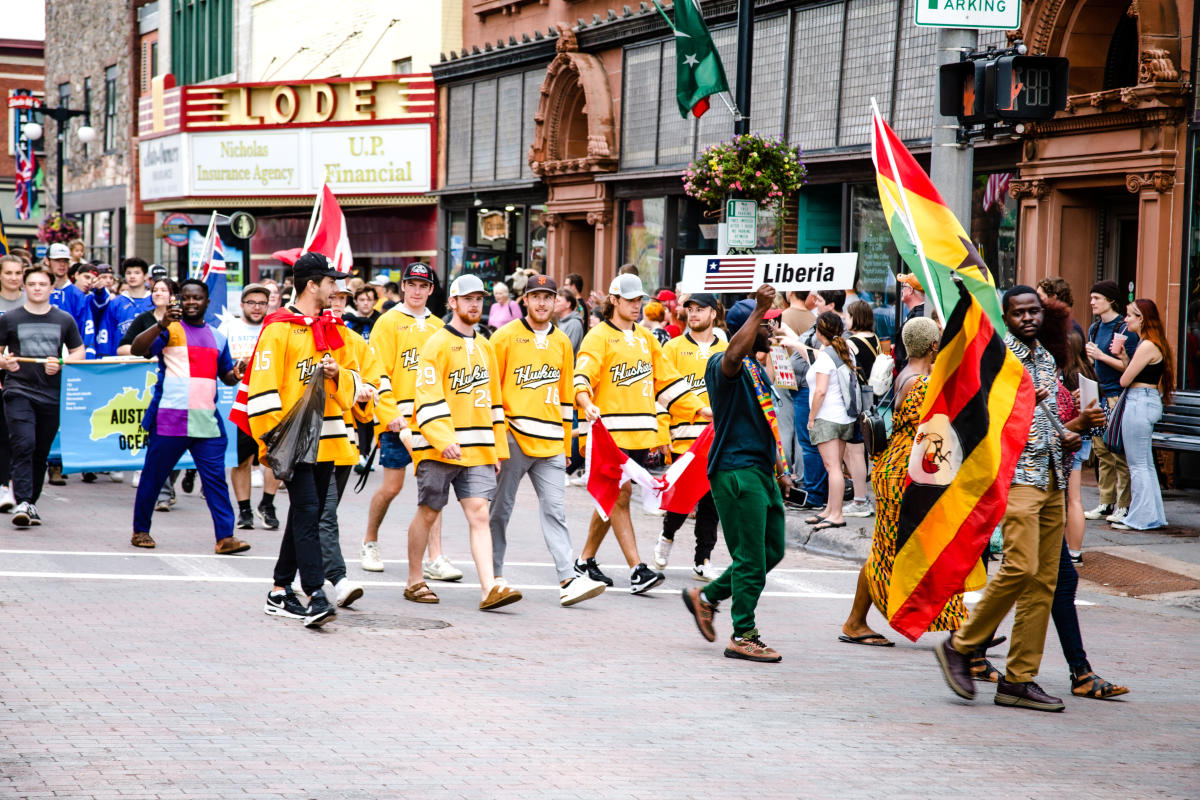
(21, 69)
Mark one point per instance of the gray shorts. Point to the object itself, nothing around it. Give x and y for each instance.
(434, 479)
(824, 430)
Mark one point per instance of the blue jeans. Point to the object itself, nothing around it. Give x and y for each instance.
(1143, 408)
(816, 482)
(162, 454)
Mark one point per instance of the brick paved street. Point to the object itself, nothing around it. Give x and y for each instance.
(147, 674)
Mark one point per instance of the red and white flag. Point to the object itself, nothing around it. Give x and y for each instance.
(997, 187)
(609, 468)
(327, 232)
(687, 478)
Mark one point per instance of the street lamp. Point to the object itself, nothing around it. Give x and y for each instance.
(86, 133)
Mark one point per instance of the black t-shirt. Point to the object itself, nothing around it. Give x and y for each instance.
(867, 346)
(361, 325)
(37, 336)
(141, 323)
(742, 439)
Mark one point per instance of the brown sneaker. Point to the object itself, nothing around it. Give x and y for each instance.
(230, 545)
(56, 475)
(702, 611)
(751, 648)
(140, 539)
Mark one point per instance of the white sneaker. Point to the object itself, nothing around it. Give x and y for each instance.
(116, 477)
(440, 569)
(662, 551)
(256, 478)
(578, 589)
(372, 559)
(859, 508)
(705, 572)
(137, 478)
(579, 480)
(7, 501)
(347, 592)
(1099, 512)
(1118, 515)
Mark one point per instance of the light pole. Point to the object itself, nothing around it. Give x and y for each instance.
(86, 133)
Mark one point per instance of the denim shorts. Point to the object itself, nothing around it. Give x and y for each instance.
(392, 452)
(434, 479)
(1083, 453)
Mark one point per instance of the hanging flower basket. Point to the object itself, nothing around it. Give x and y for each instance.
(763, 170)
(57, 228)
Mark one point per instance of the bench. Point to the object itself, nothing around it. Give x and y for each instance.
(1179, 428)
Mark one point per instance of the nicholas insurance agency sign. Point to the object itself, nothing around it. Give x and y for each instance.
(352, 159)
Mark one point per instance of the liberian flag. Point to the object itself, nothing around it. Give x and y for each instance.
(327, 232)
(687, 479)
(729, 274)
(212, 271)
(974, 424)
(927, 234)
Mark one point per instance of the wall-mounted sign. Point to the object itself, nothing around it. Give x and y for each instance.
(493, 225)
(316, 102)
(352, 160)
(243, 224)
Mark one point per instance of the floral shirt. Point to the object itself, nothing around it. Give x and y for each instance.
(1043, 449)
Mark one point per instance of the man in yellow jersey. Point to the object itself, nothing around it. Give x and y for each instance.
(459, 441)
(620, 375)
(297, 345)
(535, 362)
(689, 354)
(396, 341)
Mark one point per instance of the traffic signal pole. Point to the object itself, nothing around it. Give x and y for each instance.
(745, 64)
(952, 165)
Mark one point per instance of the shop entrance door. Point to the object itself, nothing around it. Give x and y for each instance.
(580, 247)
(1118, 244)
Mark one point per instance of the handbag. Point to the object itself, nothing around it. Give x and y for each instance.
(1113, 439)
(875, 425)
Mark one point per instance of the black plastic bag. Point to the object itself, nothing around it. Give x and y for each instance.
(296, 438)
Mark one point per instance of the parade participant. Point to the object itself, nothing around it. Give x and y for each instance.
(534, 361)
(58, 257)
(1033, 531)
(621, 373)
(121, 310)
(31, 390)
(80, 299)
(689, 354)
(242, 334)
(746, 470)
(459, 441)
(12, 295)
(297, 345)
(182, 416)
(396, 342)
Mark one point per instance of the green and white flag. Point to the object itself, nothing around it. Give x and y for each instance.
(698, 70)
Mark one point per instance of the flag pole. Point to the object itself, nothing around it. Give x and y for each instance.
(916, 240)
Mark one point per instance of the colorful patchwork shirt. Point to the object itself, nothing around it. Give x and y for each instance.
(191, 359)
(1043, 448)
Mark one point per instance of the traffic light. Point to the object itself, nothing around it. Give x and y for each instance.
(1003, 88)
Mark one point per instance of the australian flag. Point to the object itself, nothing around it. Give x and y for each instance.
(214, 278)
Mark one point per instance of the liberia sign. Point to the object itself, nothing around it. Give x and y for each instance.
(786, 272)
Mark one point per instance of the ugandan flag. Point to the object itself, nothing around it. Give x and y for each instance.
(974, 424)
(927, 234)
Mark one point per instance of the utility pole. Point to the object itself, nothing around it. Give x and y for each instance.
(745, 66)
(952, 165)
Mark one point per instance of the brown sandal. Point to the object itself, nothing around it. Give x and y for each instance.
(984, 670)
(498, 597)
(421, 593)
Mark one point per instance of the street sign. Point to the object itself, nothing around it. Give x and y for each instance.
(741, 219)
(1002, 14)
(175, 228)
(242, 224)
(790, 272)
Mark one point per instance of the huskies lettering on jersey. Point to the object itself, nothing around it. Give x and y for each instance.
(464, 380)
(529, 378)
(307, 368)
(695, 383)
(409, 359)
(625, 375)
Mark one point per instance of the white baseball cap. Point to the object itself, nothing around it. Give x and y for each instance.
(466, 284)
(59, 250)
(627, 286)
(380, 280)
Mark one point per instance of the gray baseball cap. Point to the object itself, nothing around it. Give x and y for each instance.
(627, 286)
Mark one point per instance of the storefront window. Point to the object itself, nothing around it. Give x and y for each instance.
(1190, 356)
(878, 259)
(994, 226)
(458, 241)
(644, 227)
(537, 239)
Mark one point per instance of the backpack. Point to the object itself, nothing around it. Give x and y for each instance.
(880, 379)
(848, 384)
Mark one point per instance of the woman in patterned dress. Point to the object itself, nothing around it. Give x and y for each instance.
(920, 336)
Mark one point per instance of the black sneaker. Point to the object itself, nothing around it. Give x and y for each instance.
(266, 514)
(319, 611)
(34, 517)
(592, 570)
(21, 516)
(285, 604)
(189, 481)
(1026, 695)
(89, 477)
(642, 579)
(245, 521)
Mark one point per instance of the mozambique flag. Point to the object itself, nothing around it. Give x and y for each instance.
(698, 69)
(927, 234)
(974, 424)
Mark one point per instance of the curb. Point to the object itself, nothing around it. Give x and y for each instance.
(852, 542)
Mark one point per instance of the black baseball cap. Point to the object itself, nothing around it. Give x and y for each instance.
(417, 271)
(703, 300)
(541, 283)
(313, 265)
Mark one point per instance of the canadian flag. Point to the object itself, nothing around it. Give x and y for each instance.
(609, 468)
(327, 231)
(687, 479)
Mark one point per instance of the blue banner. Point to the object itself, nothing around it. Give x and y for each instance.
(101, 409)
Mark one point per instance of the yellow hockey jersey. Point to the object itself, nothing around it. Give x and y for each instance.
(626, 374)
(363, 362)
(691, 359)
(285, 360)
(396, 340)
(535, 385)
(458, 401)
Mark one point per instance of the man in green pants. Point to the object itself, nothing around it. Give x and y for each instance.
(743, 462)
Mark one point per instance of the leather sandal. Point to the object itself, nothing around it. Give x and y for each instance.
(421, 593)
(984, 670)
(1089, 684)
(498, 597)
